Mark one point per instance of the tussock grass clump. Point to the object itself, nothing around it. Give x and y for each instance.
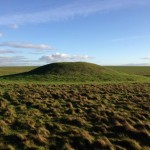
(3, 104)
(67, 146)
(40, 139)
(4, 128)
(76, 121)
(130, 144)
(10, 111)
(80, 139)
(103, 143)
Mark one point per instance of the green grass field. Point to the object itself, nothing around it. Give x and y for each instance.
(138, 70)
(79, 72)
(75, 107)
(14, 70)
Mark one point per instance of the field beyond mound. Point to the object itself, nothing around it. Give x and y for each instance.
(73, 72)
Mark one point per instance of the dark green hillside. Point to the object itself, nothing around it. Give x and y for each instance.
(69, 68)
(73, 72)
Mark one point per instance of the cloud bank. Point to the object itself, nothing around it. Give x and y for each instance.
(7, 51)
(58, 57)
(69, 10)
(27, 46)
(13, 61)
(146, 58)
(23, 61)
(1, 34)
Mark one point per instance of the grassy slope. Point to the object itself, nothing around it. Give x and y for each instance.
(74, 72)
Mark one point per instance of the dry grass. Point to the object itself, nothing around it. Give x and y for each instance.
(75, 117)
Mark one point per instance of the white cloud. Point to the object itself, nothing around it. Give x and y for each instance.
(14, 26)
(23, 61)
(146, 58)
(63, 57)
(13, 61)
(69, 10)
(18, 61)
(27, 46)
(7, 51)
(1, 34)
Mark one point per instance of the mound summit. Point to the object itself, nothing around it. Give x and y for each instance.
(69, 68)
(72, 72)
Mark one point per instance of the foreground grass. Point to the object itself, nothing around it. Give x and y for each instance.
(111, 116)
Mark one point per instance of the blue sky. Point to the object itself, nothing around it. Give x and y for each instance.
(106, 32)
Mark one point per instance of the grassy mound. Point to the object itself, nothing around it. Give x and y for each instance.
(69, 68)
(73, 72)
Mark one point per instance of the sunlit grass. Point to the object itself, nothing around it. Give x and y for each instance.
(78, 116)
